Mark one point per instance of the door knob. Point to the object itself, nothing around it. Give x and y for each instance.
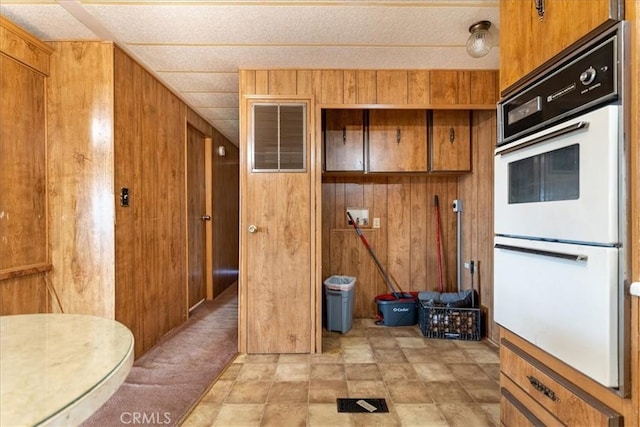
(206, 217)
(252, 228)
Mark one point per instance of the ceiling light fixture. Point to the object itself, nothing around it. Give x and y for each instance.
(480, 41)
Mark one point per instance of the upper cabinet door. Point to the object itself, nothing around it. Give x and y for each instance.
(450, 141)
(527, 40)
(397, 140)
(344, 140)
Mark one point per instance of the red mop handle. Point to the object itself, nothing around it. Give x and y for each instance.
(437, 214)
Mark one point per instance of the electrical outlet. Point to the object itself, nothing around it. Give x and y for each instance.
(466, 265)
(376, 222)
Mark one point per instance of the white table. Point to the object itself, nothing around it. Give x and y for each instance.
(57, 369)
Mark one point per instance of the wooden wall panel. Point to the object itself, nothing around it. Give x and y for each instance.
(350, 87)
(282, 82)
(483, 87)
(391, 87)
(81, 174)
(225, 210)
(332, 84)
(366, 87)
(444, 86)
(152, 233)
(418, 87)
(24, 295)
(351, 258)
(476, 193)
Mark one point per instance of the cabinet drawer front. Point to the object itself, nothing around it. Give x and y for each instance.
(565, 401)
(514, 413)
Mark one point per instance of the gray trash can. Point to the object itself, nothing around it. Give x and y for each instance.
(339, 292)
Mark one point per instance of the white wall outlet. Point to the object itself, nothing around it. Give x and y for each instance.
(360, 216)
(376, 222)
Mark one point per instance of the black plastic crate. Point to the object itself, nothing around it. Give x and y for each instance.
(449, 323)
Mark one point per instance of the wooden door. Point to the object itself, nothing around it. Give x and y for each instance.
(397, 140)
(275, 238)
(450, 141)
(528, 40)
(198, 216)
(344, 140)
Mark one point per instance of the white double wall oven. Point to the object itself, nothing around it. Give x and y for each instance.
(560, 209)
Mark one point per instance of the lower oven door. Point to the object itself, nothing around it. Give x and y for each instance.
(562, 298)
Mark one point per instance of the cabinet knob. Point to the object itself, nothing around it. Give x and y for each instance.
(398, 135)
(452, 135)
(344, 134)
(252, 228)
(206, 217)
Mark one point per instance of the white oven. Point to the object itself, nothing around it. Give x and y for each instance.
(560, 210)
(562, 182)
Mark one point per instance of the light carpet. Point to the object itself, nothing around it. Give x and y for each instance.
(168, 380)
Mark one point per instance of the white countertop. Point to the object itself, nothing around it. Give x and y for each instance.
(57, 369)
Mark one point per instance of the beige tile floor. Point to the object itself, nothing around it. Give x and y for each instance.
(426, 382)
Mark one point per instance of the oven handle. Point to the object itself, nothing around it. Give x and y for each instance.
(565, 130)
(562, 255)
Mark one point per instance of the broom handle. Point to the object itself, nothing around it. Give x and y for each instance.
(375, 259)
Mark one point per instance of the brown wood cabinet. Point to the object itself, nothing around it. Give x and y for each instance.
(533, 390)
(450, 141)
(527, 40)
(397, 141)
(343, 140)
(24, 250)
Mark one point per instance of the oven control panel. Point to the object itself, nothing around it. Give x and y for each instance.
(582, 80)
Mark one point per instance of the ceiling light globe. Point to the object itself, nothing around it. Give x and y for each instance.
(480, 41)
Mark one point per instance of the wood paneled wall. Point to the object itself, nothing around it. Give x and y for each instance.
(80, 168)
(226, 215)
(476, 192)
(465, 89)
(151, 234)
(405, 244)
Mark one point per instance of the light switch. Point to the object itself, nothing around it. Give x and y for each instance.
(376, 222)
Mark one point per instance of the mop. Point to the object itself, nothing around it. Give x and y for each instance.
(385, 276)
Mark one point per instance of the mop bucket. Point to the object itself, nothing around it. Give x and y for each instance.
(400, 309)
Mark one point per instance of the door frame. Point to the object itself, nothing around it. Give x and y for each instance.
(208, 188)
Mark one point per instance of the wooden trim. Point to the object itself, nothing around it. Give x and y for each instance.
(208, 190)
(24, 47)
(24, 271)
(491, 107)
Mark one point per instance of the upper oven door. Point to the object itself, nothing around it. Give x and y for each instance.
(562, 182)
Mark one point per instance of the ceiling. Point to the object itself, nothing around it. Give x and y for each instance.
(197, 47)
